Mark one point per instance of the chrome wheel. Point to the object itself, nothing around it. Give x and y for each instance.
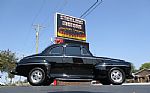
(117, 76)
(36, 76)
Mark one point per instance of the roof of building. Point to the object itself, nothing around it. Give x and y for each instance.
(142, 73)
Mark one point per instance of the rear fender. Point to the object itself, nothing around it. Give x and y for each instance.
(24, 69)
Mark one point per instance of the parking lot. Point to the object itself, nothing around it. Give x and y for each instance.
(78, 89)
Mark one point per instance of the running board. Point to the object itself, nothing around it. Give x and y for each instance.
(73, 80)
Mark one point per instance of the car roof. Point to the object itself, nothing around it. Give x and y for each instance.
(67, 44)
(55, 45)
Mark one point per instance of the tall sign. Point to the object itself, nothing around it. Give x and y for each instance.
(69, 27)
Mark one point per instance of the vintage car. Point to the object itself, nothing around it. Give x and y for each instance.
(71, 62)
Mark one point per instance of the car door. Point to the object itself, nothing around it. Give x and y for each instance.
(54, 57)
(87, 60)
(74, 62)
(71, 60)
(88, 57)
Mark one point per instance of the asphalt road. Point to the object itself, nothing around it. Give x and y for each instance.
(78, 89)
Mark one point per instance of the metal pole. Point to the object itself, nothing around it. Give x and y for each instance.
(37, 29)
(37, 41)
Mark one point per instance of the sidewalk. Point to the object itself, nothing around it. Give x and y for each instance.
(136, 83)
(95, 84)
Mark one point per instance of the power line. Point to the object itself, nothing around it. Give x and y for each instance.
(93, 9)
(59, 8)
(62, 6)
(88, 9)
(86, 13)
(35, 17)
(40, 9)
(38, 27)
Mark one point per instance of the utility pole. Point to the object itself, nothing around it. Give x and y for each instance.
(37, 29)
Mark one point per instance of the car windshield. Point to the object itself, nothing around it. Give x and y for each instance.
(47, 48)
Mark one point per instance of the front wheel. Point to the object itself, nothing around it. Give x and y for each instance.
(116, 76)
(37, 76)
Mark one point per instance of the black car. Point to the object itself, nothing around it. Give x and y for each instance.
(71, 62)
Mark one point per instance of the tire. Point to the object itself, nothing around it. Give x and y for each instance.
(116, 76)
(105, 81)
(37, 76)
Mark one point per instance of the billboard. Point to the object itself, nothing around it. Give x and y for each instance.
(70, 27)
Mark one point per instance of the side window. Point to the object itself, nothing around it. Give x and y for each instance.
(56, 50)
(85, 52)
(73, 51)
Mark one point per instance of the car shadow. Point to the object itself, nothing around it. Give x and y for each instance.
(77, 92)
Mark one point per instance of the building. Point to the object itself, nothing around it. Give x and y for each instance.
(142, 76)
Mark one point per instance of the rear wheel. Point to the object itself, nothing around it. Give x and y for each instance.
(37, 76)
(116, 76)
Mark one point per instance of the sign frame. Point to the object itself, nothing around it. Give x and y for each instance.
(79, 36)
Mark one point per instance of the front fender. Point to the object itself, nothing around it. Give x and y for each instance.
(101, 70)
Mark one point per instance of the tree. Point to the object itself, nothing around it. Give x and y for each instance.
(7, 62)
(145, 66)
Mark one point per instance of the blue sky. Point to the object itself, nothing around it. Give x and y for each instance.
(116, 28)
